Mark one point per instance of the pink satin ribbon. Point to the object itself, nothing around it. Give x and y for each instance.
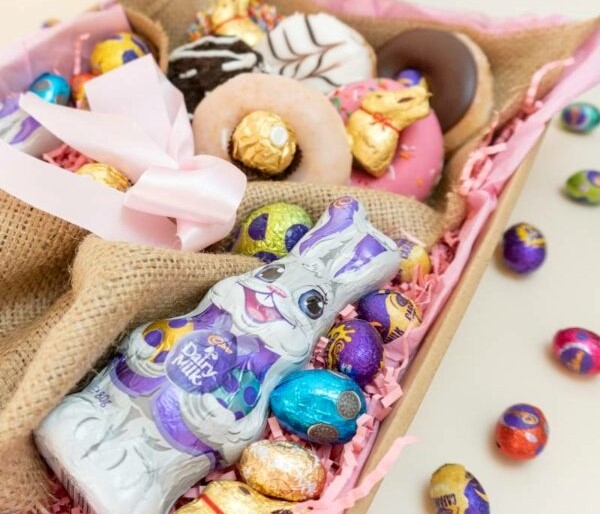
(137, 123)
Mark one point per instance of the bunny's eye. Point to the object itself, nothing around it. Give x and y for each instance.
(271, 273)
(312, 303)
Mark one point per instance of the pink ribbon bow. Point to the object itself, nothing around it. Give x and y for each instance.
(137, 123)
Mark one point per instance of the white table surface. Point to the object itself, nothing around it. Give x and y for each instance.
(500, 354)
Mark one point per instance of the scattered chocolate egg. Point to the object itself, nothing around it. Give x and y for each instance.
(578, 349)
(391, 313)
(232, 497)
(318, 405)
(414, 260)
(524, 248)
(52, 88)
(105, 174)
(580, 117)
(584, 186)
(454, 490)
(522, 432)
(283, 470)
(115, 51)
(270, 232)
(356, 349)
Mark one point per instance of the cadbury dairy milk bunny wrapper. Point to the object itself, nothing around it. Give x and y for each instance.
(186, 395)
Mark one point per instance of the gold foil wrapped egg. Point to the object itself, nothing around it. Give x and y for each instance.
(106, 175)
(413, 259)
(231, 18)
(116, 51)
(374, 128)
(283, 470)
(231, 497)
(262, 140)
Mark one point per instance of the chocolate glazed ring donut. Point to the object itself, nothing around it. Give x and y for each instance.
(312, 117)
(457, 73)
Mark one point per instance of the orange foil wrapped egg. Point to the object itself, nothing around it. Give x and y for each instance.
(282, 470)
(522, 432)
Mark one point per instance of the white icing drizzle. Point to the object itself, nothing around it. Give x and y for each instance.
(318, 49)
(188, 74)
(234, 61)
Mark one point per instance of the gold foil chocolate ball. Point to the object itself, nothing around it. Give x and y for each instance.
(263, 140)
(231, 497)
(106, 175)
(282, 470)
(413, 259)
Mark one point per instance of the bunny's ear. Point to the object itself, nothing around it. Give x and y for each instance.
(363, 253)
(340, 215)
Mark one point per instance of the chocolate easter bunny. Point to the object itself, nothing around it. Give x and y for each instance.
(186, 395)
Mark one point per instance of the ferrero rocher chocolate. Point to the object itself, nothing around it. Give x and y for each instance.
(231, 497)
(262, 140)
(283, 470)
(106, 175)
(374, 129)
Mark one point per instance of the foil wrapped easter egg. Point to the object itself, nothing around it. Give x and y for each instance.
(52, 88)
(580, 117)
(78, 85)
(105, 174)
(578, 349)
(524, 248)
(116, 51)
(264, 141)
(318, 405)
(454, 490)
(584, 186)
(270, 232)
(391, 313)
(232, 497)
(356, 349)
(283, 470)
(522, 432)
(414, 260)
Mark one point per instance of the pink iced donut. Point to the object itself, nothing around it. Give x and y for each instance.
(418, 162)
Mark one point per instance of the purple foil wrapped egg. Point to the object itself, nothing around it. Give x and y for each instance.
(391, 313)
(524, 248)
(356, 349)
(578, 349)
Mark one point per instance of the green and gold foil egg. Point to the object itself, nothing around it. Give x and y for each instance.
(270, 232)
(584, 186)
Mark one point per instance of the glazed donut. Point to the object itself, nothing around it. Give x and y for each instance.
(319, 50)
(314, 120)
(418, 161)
(457, 73)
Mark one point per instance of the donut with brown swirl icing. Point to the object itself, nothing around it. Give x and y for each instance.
(457, 72)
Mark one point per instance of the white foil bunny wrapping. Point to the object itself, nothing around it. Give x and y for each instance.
(186, 395)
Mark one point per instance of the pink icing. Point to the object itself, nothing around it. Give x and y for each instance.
(418, 162)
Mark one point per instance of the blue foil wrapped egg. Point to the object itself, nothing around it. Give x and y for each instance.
(356, 349)
(584, 186)
(580, 117)
(52, 88)
(454, 490)
(524, 248)
(270, 232)
(116, 51)
(318, 405)
(391, 313)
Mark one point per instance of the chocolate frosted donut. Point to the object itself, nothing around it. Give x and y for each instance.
(200, 66)
(457, 73)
